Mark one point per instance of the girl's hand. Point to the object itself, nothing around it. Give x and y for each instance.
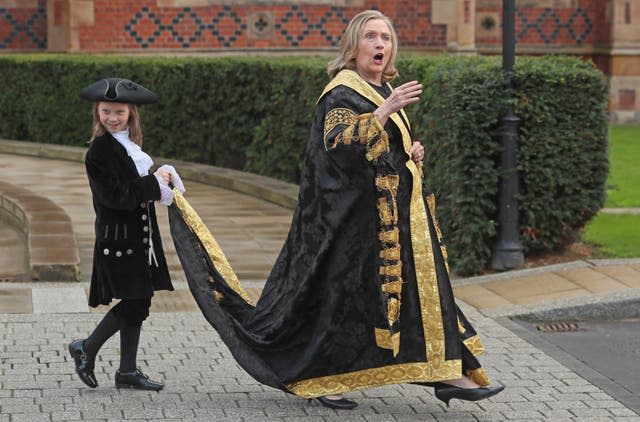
(163, 174)
(417, 151)
(405, 94)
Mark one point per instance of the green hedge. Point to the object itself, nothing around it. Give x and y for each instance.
(255, 114)
(563, 158)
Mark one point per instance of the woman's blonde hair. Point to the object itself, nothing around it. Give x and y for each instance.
(349, 46)
(135, 132)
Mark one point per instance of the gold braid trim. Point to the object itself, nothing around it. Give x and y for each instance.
(385, 340)
(391, 270)
(389, 182)
(479, 376)
(385, 213)
(212, 248)
(431, 201)
(338, 116)
(474, 344)
(393, 310)
(365, 129)
(390, 254)
(392, 287)
(376, 377)
(389, 236)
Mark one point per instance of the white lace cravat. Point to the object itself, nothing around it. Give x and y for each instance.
(140, 158)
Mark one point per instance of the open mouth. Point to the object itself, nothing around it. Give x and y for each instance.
(378, 57)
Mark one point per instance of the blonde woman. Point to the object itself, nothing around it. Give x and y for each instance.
(360, 294)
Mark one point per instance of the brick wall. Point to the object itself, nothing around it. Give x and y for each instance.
(109, 25)
(572, 24)
(23, 25)
(124, 24)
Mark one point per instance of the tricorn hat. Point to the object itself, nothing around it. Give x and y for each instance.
(118, 90)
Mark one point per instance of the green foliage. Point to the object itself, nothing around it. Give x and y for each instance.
(255, 114)
(459, 120)
(280, 138)
(563, 148)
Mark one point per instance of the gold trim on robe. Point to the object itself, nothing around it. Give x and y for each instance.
(427, 281)
(376, 377)
(212, 248)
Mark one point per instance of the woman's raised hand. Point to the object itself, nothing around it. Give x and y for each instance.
(403, 95)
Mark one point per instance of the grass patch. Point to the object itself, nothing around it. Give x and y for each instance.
(615, 235)
(623, 185)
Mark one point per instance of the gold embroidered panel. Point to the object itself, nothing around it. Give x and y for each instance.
(338, 116)
(375, 377)
(385, 340)
(474, 344)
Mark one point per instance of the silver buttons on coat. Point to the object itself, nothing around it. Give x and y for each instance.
(118, 254)
(145, 229)
(144, 217)
(106, 251)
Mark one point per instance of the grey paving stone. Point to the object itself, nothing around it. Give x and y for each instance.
(30, 417)
(66, 416)
(591, 412)
(623, 411)
(199, 388)
(557, 414)
(522, 414)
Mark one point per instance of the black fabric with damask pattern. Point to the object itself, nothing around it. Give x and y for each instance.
(322, 300)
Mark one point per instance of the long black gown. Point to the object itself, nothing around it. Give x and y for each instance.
(359, 295)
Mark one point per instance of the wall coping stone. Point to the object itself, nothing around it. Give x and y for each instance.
(23, 209)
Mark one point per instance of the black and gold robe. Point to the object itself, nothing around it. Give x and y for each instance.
(359, 295)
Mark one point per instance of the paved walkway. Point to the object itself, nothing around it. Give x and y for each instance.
(203, 381)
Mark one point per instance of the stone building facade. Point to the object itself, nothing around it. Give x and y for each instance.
(605, 31)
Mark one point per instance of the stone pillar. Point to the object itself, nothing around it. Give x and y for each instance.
(459, 16)
(64, 18)
(624, 89)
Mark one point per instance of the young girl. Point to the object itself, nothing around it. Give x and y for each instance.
(128, 259)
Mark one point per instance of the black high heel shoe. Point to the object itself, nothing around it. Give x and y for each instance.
(446, 392)
(342, 404)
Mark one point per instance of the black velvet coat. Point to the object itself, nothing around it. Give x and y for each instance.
(359, 295)
(125, 226)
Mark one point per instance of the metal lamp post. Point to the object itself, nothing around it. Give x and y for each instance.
(507, 251)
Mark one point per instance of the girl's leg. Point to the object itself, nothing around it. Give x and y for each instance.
(129, 339)
(128, 375)
(84, 352)
(109, 325)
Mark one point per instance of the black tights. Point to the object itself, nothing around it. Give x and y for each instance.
(126, 317)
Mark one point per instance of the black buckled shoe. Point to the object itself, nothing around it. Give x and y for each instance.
(136, 379)
(446, 392)
(84, 363)
(340, 404)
